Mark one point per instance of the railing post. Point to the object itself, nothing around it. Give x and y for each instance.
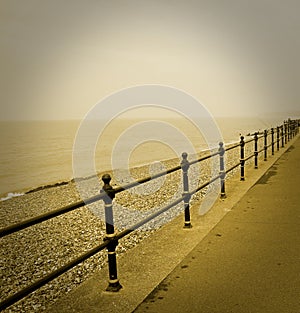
(255, 151)
(185, 164)
(282, 137)
(272, 138)
(222, 170)
(277, 138)
(242, 160)
(285, 131)
(265, 144)
(114, 284)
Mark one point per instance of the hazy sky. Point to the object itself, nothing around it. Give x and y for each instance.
(58, 58)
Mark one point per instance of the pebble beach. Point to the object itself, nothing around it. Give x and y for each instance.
(30, 254)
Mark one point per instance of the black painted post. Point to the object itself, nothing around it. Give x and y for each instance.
(282, 137)
(185, 164)
(222, 170)
(255, 150)
(277, 138)
(285, 132)
(265, 144)
(289, 129)
(114, 284)
(242, 160)
(272, 137)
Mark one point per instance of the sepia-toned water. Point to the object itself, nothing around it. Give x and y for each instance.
(35, 153)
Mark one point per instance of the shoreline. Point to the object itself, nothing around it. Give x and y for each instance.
(23, 191)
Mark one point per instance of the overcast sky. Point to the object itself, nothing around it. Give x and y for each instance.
(58, 58)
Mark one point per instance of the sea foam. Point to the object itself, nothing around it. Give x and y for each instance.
(11, 195)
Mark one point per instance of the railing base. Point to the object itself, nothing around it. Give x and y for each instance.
(114, 287)
(187, 225)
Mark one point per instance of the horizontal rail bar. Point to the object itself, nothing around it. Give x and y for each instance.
(205, 184)
(249, 157)
(232, 167)
(44, 217)
(163, 173)
(204, 158)
(233, 147)
(148, 219)
(249, 140)
(146, 179)
(261, 150)
(43, 281)
(164, 209)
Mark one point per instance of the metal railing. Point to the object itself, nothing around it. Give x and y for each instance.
(283, 133)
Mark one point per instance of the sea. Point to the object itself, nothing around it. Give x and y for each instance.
(39, 153)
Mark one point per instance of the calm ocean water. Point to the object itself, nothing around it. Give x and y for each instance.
(35, 153)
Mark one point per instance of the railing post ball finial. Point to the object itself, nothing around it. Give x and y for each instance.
(221, 149)
(185, 163)
(106, 178)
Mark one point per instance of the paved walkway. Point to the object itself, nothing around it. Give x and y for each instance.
(249, 262)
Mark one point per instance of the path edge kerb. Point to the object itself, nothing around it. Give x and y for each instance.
(144, 267)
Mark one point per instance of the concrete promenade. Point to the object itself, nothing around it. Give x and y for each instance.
(242, 256)
(250, 262)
